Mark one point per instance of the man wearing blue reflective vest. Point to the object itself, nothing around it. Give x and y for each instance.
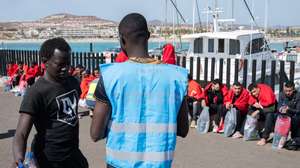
(141, 105)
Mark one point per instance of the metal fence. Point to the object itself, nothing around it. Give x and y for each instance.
(202, 69)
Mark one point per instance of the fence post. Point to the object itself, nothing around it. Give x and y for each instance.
(198, 69)
(253, 71)
(89, 61)
(178, 61)
(273, 70)
(281, 76)
(212, 69)
(263, 71)
(81, 58)
(102, 59)
(205, 69)
(245, 73)
(97, 60)
(236, 70)
(159, 57)
(292, 70)
(192, 67)
(228, 66)
(93, 61)
(111, 57)
(221, 69)
(184, 62)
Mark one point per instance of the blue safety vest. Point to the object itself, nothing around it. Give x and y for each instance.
(145, 100)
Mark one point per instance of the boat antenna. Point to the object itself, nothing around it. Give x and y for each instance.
(250, 12)
(199, 17)
(253, 19)
(175, 6)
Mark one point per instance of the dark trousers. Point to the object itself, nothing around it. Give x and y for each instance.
(75, 160)
(218, 111)
(295, 126)
(16, 80)
(194, 108)
(269, 119)
(240, 121)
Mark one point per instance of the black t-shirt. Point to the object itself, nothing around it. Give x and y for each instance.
(100, 93)
(54, 108)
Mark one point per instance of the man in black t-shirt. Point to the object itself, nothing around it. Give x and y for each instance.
(51, 105)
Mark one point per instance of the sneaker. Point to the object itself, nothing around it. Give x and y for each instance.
(193, 124)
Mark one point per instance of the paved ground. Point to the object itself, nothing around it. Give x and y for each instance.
(195, 151)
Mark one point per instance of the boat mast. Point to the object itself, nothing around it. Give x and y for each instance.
(266, 15)
(194, 11)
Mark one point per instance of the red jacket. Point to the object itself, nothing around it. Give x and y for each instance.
(241, 103)
(32, 72)
(84, 85)
(168, 54)
(194, 90)
(121, 57)
(12, 70)
(266, 96)
(223, 89)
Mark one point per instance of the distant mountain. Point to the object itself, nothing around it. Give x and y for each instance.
(70, 17)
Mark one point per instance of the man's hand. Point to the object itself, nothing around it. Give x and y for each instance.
(257, 105)
(228, 105)
(255, 113)
(284, 109)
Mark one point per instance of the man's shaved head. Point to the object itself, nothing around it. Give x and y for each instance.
(134, 27)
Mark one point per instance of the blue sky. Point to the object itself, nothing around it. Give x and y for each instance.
(280, 12)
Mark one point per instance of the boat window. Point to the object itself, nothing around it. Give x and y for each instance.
(198, 45)
(211, 43)
(221, 46)
(234, 47)
(257, 46)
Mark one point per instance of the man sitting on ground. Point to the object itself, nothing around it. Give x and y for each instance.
(263, 106)
(213, 97)
(194, 98)
(289, 103)
(238, 98)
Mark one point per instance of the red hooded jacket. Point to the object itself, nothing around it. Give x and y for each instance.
(168, 54)
(223, 89)
(266, 96)
(121, 57)
(32, 72)
(13, 69)
(241, 103)
(194, 90)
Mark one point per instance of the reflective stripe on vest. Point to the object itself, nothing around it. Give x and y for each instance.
(143, 128)
(141, 156)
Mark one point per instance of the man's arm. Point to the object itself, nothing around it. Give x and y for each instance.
(100, 120)
(182, 120)
(20, 140)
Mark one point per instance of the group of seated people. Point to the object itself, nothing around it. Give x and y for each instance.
(258, 101)
(21, 76)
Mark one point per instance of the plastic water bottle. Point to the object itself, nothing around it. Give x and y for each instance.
(29, 160)
(20, 164)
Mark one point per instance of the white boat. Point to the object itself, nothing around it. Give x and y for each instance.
(239, 44)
